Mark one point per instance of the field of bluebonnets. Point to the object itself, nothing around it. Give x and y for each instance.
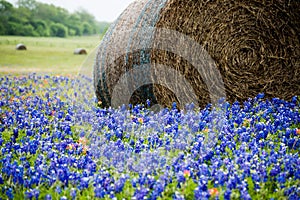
(57, 143)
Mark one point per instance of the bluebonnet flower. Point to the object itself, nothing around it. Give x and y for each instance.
(48, 197)
(245, 195)
(180, 177)
(9, 193)
(275, 170)
(58, 189)
(29, 194)
(227, 194)
(281, 178)
(177, 196)
(292, 193)
(119, 185)
(200, 194)
(36, 193)
(158, 188)
(140, 193)
(1, 179)
(99, 192)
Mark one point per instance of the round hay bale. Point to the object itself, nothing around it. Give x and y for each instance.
(21, 47)
(80, 51)
(254, 44)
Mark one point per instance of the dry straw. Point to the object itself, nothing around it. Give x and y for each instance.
(255, 45)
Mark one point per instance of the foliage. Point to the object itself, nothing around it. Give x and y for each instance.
(32, 18)
(58, 30)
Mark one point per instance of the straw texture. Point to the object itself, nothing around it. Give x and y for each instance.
(255, 46)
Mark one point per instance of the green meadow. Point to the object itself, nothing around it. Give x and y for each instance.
(45, 54)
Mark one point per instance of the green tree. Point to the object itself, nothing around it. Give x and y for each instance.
(74, 23)
(41, 27)
(6, 9)
(58, 30)
(34, 18)
(13, 28)
(87, 29)
(5, 6)
(86, 17)
(19, 29)
(28, 30)
(29, 4)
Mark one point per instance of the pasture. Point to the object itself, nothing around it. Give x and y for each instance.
(44, 55)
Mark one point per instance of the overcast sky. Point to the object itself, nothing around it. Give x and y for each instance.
(103, 10)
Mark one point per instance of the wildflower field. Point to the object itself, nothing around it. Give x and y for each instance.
(57, 142)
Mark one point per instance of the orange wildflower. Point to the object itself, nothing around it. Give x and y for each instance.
(140, 120)
(186, 173)
(213, 192)
(70, 146)
(84, 150)
(83, 141)
(206, 130)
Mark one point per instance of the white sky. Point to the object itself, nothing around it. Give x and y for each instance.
(103, 10)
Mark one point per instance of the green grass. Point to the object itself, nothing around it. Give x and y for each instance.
(45, 55)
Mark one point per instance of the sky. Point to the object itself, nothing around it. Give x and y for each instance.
(103, 10)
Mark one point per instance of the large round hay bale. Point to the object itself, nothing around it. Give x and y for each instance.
(80, 51)
(21, 47)
(254, 44)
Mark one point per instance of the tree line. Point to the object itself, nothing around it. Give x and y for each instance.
(32, 18)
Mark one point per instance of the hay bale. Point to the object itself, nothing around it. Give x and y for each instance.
(21, 47)
(80, 51)
(255, 46)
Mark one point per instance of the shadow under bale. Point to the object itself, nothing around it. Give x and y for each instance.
(254, 45)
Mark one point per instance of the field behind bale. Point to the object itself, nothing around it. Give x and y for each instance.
(44, 54)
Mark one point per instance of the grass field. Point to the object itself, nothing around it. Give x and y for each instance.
(44, 55)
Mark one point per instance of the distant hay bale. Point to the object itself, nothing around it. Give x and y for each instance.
(80, 51)
(21, 47)
(255, 46)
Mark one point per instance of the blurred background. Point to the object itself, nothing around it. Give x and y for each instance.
(59, 36)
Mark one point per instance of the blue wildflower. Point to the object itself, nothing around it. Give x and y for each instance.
(48, 197)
